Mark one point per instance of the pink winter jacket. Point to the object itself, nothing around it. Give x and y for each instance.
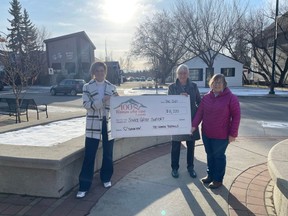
(220, 115)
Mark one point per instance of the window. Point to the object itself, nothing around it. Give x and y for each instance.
(228, 72)
(70, 67)
(56, 67)
(85, 67)
(196, 74)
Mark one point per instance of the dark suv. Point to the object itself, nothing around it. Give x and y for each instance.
(68, 86)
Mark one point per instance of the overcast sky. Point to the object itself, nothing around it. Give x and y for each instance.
(110, 20)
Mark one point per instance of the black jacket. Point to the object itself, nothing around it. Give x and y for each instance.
(195, 98)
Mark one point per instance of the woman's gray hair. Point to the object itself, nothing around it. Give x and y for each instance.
(181, 68)
(218, 77)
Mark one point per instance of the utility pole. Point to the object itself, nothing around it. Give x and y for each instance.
(106, 56)
(274, 51)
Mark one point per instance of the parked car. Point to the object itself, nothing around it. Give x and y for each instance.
(68, 86)
(130, 79)
(149, 79)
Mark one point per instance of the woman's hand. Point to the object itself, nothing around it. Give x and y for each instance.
(231, 139)
(192, 130)
(184, 93)
(106, 98)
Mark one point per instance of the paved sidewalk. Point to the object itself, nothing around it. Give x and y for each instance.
(142, 185)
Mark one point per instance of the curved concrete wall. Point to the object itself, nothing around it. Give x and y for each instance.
(277, 165)
(53, 171)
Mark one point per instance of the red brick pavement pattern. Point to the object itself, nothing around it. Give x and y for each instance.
(247, 193)
(11, 204)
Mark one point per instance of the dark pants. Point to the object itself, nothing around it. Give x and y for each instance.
(175, 154)
(87, 171)
(216, 158)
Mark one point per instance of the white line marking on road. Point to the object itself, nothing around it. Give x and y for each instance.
(270, 124)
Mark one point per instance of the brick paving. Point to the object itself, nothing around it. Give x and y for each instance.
(250, 193)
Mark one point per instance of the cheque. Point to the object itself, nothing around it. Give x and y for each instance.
(155, 115)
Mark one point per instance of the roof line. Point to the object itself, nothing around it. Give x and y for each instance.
(81, 33)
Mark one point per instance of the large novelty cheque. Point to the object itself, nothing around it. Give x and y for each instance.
(136, 116)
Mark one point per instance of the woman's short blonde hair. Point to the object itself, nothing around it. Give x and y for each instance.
(218, 77)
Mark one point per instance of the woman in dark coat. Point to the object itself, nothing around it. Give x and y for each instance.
(183, 86)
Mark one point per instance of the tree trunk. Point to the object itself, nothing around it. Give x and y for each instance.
(18, 109)
(245, 80)
(283, 74)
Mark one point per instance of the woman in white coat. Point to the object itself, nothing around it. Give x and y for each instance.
(96, 100)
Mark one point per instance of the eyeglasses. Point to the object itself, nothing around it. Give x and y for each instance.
(217, 83)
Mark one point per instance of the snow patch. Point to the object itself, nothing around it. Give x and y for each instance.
(46, 135)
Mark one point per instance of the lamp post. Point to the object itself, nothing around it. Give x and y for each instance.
(274, 52)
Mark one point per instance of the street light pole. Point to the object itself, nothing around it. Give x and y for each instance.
(274, 52)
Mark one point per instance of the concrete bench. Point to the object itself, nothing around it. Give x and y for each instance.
(277, 165)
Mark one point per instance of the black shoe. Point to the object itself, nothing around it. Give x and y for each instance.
(175, 173)
(215, 184)
(192, 173)
(207, 180)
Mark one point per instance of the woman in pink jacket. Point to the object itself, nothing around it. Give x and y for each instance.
(219, 112)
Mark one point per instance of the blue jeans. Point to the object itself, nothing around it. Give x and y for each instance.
(175, 154)
(87, 171)
(216, 158)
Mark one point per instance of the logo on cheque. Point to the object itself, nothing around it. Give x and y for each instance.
(130, 106)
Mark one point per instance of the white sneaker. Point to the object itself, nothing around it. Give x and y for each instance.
(81, 194)
(107, 184)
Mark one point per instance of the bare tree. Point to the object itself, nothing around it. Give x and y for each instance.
(42, 34)
(21, 56)
(126, 62)
(238, 44)
(259, 34)
(208, 26)
(159, 40)
(18, 79)
(239, 47)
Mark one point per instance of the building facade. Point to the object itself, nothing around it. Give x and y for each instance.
(230, 68)
(69, 56)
